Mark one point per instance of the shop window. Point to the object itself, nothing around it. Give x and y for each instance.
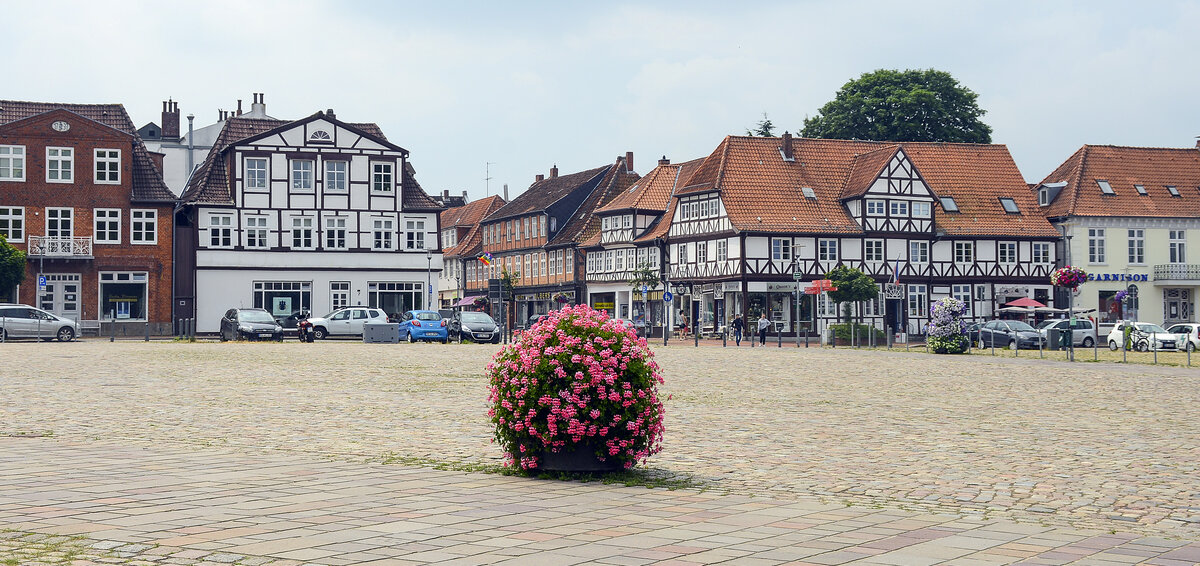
(123, 295)
(282, 298)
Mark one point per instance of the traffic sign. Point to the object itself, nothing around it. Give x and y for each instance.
(667, 296)
(798, 275)
(41, 282)
(644, 289)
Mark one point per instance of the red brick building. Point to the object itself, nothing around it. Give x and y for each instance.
(81, 195)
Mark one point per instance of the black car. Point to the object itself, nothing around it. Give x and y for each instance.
(1011, 333)
(476, 326)
(292, 321)
(250, 324)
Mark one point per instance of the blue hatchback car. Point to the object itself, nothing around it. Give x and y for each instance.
(423, 325)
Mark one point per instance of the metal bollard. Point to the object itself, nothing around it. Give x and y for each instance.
(147, 331)
(724, 338)
(696, 336)
(779, 338)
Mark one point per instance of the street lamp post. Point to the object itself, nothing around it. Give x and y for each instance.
(428, 278)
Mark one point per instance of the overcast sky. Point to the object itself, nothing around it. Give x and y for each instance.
(530, 85)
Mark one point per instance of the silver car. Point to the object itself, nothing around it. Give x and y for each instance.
(24, 321)
(1083, 332)
(347, 321)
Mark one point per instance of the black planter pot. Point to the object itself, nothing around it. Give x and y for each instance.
(578, 458)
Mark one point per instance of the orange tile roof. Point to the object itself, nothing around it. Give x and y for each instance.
(762, 192)
(584, 222)
(652, 192)
(663, 226)
(1155, 168)
(472, 212)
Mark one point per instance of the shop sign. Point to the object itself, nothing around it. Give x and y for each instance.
(731, 286)
(1118, 277)
(603, 305)
(781, 287)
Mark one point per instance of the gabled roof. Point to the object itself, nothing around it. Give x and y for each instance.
(652, 192)
(147, 181)
(584, 222)
(1155, 168)
(471, 213)
(763, 192)
(470, 246)
(541, 195)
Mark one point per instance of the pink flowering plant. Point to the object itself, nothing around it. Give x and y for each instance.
(1068, 276)
(576, 378)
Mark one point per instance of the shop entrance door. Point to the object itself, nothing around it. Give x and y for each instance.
(1176, 305)
(61, 296)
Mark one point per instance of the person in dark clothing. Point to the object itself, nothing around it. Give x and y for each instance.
(738, 326)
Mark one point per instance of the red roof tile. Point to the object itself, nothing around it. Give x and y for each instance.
(584, 222)
(1155, 168)
(471, 213)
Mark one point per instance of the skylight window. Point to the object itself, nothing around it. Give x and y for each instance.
(1141, 189)
(1174, 191)
(1105, 187)
(808, 192)
(1010, 205)
(949, 205)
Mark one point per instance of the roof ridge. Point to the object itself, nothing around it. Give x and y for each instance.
(1078, 179)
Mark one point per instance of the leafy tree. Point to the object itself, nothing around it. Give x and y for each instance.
(911, 105)
(12, 267)
(853, 286)
(644, 275)
(763, 129)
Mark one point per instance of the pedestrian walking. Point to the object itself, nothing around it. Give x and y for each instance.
(763, 323)
(738, 326)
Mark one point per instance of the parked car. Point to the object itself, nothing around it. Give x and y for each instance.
(292, 320)
(24, 321)
(1083, 332)
(423, 325)
(1190, 334)
(1143, 337)
(1010, 333)
(476, 326)
(533, 319)
(972, 331)
(346, 321)
(250, 324)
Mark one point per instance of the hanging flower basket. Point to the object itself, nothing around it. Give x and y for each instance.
(480, 302)
(577, 391)
(1069, 277)
(561, 298)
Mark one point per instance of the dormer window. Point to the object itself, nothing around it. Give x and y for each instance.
(1141, 189)
(1043, 197)
(1010, 205)
(949, 205)
(1105, 187)
(320, 136)
(1174, 191)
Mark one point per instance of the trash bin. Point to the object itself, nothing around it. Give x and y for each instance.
(381, 333)
(1054, 339)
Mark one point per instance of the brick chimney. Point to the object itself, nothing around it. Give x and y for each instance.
(239, 110)
(170, 120)
(629, 161)
(664, 161)
(785, 147)
(539, 178)
(259, 106)
(157, 158)
(554, 171)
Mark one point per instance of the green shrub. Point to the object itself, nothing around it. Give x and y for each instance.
(843, 332)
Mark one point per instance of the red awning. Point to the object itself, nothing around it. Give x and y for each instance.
(1024, 302)
(467, 301)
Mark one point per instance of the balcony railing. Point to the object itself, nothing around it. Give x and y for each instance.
(1177, 271)
(47, 246)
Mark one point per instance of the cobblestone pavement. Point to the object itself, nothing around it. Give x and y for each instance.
(1085, 445)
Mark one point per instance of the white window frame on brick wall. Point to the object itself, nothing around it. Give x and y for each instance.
(60, 165)
(335, 175)
(106, 166)
(12, 163)
(302, 171)
(63, 220)
(12, 223)
(256, 232)
(144, 227)
(106, 225)
(220, 231)
(255, 178)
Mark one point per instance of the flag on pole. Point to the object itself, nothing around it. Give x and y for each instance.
(486, 258)
(896, 272)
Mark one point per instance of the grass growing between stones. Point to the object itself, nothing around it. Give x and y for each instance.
(637, 477)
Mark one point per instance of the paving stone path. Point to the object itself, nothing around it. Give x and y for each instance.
(1101, 447)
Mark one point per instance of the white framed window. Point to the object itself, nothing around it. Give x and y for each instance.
(528, 269)
(381, 233)
(722, 250)
(12, 223)
(899, 208)
(781, 249)
(143, 226)
(543, 223)
(256, 174)
(827, 250)
(701, 252)
(335, 176)
(569, 258)
(1006, 252)
(60, 165)
(1096, 245)
(653, 254)
(414, 234)
(256, 232)
(106, 165)
(12, 163)
(873, 250)
(608, 260)
(60, 223)
(1177, 243)
(517, 228)
(1043, 197)
(302, 233)
(981, 292)
(921, 209)
(302, 174)
(381, 177)
(627, 221)
(918, 252)
(106, 225)
(1041, 252)
(620, 255)
(606, 223)
(876, 208)
(220, 230)
(964, 252)
(525, 223)
(1137, 245)
(918, 300)
(339, 294)
(542, 263)
(962, 293)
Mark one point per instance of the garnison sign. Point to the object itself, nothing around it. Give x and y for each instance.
(1118, 277)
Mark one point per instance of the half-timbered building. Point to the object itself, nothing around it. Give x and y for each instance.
(536, 236)
(461, 239)
(313, 214)
(925, 220)
(83, 198)
(632, 237)
(1128, 214)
